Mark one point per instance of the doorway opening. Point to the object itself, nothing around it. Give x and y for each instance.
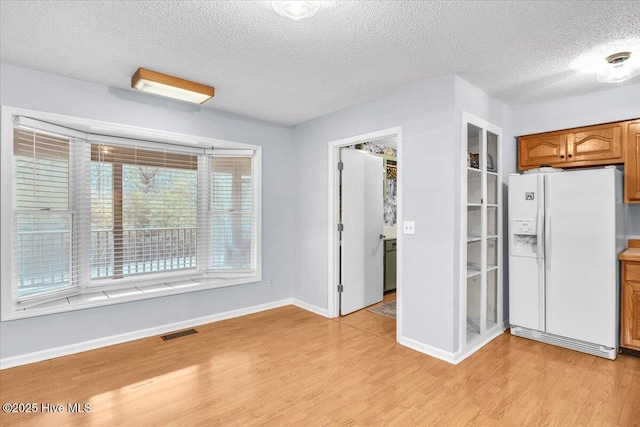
(365, 209)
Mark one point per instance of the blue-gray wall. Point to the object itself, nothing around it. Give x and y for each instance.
(20, 87)
(426, 114)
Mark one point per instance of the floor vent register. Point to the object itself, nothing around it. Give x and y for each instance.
(175, 335)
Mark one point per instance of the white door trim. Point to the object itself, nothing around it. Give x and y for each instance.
(333, 188)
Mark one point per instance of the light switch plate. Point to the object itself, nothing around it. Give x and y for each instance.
(409, 227)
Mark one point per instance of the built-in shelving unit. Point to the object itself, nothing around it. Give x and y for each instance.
(481, 286)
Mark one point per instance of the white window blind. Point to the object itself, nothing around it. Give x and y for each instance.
(232, 229)
(46, 257)
(144, 211)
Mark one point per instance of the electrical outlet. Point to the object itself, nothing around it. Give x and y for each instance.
(409, 227)
(271, 282)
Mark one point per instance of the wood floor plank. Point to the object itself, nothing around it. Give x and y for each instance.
(290, 367)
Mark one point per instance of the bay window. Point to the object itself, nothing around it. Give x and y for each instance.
(93, 213)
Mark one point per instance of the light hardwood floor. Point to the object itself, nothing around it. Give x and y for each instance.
(290, 367)
(376, 324)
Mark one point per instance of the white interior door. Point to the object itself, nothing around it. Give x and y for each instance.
(362, 219)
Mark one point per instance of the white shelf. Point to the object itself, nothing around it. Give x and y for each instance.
(473, 238)
(473, 270)
(469, 168)
(492, 205)
(492, 173)
(474, 205)
(492, 267)
(492, 236)
(472, 273)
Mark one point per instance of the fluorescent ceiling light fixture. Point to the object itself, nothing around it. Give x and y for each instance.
(298, 10)
(619, 67)
(172, 87)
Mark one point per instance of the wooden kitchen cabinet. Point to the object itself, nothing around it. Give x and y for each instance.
(586, 146)
(632, 164)
(630, 316)
(542, 149)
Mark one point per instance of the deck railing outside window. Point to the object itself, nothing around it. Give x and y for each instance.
(146, 250)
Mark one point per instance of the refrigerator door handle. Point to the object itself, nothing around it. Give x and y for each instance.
(547, 238)
(540, 244)
(540, 221)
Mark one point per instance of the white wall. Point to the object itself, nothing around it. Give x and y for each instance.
(610, 105)
(20, 87)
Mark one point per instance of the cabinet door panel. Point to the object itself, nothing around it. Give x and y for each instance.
(632, 271)
(596, 145)
(547, 149)
(632, 164)
(631, 315)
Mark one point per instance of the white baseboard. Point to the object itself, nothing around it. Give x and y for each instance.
(38, 356)
(310, 307)
(453, 358)
(428, 350)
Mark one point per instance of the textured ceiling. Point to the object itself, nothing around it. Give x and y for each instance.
(269, 67)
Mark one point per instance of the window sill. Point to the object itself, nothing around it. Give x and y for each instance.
(100, 298)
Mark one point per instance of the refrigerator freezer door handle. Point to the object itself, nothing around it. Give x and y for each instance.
(540, 222)
(539, 237)
(547, 238)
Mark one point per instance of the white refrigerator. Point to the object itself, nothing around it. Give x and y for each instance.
(566, 230)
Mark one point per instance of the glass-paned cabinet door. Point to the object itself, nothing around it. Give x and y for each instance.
(492, 221)
(481, 293)
(492, 152)
(474, 146)
(473, 307)
(474, 223)
(492, 298)
(474, 169)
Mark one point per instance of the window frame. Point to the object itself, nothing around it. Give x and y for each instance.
(134, 288)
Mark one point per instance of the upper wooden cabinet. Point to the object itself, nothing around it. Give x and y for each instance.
(542, 149)
(587, 146)
(632, 164)
(596, 144)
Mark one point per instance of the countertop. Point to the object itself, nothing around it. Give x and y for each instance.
(631, 254)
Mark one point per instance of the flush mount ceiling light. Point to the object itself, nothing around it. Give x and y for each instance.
(298, 10)
(172, 87)
(619, 67)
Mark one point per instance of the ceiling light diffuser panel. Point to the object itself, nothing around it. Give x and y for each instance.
(170, 86)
